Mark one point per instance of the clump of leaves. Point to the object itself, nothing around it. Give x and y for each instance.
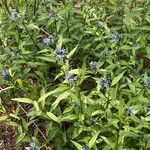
(76, 74)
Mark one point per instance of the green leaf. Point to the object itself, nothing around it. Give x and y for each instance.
(72, 52)
(69, 118)
(93, 140)
(61, 97)
(23, 100)
(77, 145)
(46, 58)
(116, 79)
(33, 26)
(97, 112)
(59, 89)
(20, 138)
(3, 118)
(7, 88)
(53, 117)
(36, 106)
(108, 142)
(14, 116)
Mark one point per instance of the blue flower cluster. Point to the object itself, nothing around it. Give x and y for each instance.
(147, 83)
(48, 40)
(14, 16)
(32, 146)
(60, 54)
(146, 137)
(70, 78)
(15, 53)
(93, 64)
(103, 54)
(53, 16)
(104, 83)
(136, 45)
(5, 75)
(116, 37)
(21, 29)
(84, 147)
(130, 111)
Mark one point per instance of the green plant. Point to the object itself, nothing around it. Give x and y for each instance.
(76, 74)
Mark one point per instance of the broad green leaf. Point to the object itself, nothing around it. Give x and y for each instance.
(46, 58)
(14, 116)
(61, 97)
(19, 81)
(69, 118)
(59, 89)
(23, 100)
(107, 141)
(44, 51)
(33, 26)
(93, 140)
(53, 117)
(36, 106)
(72, 52)
(20, 138)
(77, 145)
(126, 47)
(7, 88)
(116, 79)
(131, 86)
(97, 112)
(3, 118)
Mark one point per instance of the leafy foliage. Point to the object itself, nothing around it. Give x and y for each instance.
(76, 74)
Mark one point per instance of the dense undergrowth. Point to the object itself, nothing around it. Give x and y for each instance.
(75, 74)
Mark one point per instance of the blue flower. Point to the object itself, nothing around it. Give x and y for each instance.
(130, 111)
(136, 45)
(148, 37)
(147, 83)
(14, 16)
(103, 54)
(93, 64)
(84, 147)
(60, 57)
(99, 25)
(60, 54)
(116, 37)
(104, 83)
(74, 105)
(5, 75)
(21, 29)
(32, 146)
(15, 53)
(49, 40)
(53, 16)
(146, 137)
(70, 78)
(60, 51)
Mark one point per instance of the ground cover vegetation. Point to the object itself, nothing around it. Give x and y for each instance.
(75, 75)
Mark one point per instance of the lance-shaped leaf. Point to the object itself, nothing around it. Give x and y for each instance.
(116, 79)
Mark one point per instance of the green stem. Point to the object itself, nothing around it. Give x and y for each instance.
(34, 10)
(31, 37)
(56, 28)
(117, 143)
(107, 100)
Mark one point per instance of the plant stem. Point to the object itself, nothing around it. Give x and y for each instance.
(117, 143)
(31, 37)
(34, 10)
(107, 100)
(33, 123)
